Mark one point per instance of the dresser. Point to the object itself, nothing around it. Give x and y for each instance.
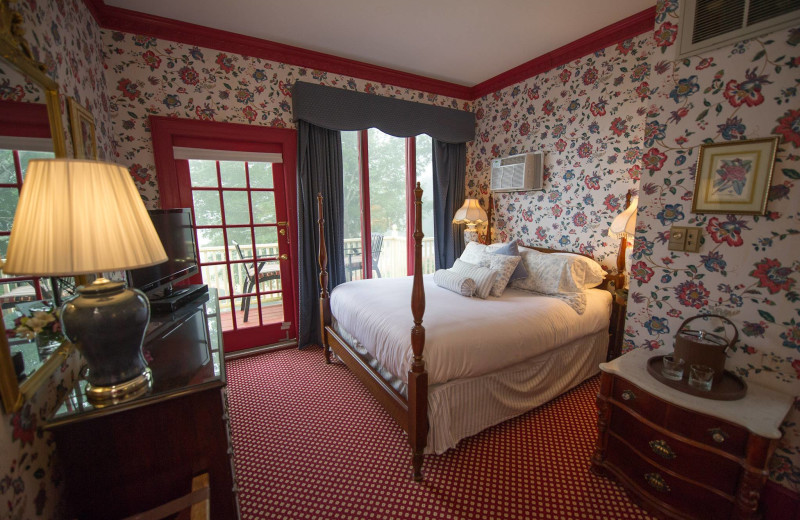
(681, 456)
(132, 456)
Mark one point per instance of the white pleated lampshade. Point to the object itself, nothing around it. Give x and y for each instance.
(470, 213)
(624, 224)
(79, 216)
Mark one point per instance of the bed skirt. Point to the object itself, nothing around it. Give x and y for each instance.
(461, 408)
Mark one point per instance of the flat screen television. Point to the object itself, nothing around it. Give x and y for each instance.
(174, 228)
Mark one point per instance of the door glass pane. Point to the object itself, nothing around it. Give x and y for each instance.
(387, 188)
(207, 211)
(203, 173)
(8, 206)
(242, 237)
(424, 151)
(237, 210)
(266, 242)
(352, 204)
(232, 174)
(260, 175)
(8, 173)
(263, 207)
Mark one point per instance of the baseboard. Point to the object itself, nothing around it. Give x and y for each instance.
(780, 503)
(258, 350)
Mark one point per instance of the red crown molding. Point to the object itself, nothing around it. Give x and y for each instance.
(620, 31)
(125, 20)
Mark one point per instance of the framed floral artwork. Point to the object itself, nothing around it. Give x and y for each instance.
(82, 126)
(734, 177)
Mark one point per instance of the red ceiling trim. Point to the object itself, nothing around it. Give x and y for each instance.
(125, 20)
(620, 31)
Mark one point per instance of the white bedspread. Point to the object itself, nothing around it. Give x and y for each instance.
(465, 337)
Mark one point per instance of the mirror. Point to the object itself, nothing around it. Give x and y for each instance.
(17, 62)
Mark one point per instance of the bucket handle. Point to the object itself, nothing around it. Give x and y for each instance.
(735, 330)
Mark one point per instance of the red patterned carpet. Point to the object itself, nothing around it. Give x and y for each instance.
(311, 443)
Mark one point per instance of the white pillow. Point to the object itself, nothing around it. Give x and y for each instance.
(544, 272)
(483, 276)
(504, 265)
(583, 272)
(455, 282)
(473, 253)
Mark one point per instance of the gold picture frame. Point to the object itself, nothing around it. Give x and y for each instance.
(734, 177)
(82, 129)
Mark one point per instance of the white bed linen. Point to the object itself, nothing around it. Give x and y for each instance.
(465, 337)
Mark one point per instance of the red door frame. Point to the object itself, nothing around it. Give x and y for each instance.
(168, 132)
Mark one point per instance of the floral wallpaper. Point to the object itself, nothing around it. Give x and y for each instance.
(64, 36)
(747, 268)
(148, 76)
(588, 117)
(633, 116)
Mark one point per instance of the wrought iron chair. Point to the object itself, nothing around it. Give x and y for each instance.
(355, 263)
(265, 271)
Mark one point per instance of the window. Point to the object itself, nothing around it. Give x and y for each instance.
(380, 172)
(13, 166)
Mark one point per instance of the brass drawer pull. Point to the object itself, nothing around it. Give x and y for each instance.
(662, 449)
(656, 482)
(718, 435)
(628, 395)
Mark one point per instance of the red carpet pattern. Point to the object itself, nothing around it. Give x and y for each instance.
(311, 443)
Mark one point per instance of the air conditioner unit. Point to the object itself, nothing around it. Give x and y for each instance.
(523, 172)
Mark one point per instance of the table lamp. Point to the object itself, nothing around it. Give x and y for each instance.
(471, 214)
(624, 227)
(78, 217)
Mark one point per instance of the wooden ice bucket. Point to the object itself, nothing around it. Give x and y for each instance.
(697, 347)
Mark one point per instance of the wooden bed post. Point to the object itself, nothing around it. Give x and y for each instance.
(324, 300)
(417, 376)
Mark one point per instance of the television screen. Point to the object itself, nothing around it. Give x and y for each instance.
(174, 227)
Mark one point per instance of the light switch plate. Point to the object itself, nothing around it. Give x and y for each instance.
(677, 238)
(692, 239)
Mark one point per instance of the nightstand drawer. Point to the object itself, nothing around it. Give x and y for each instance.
(639, 401)
(711, 431)
(670, 453)
(660, 485)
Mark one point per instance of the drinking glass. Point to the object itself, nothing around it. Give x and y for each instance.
(700, 377)
(672, 368)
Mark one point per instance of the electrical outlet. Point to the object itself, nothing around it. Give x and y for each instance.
(677, 238)
(692, 240)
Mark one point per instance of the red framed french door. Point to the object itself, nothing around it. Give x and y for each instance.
(240, 183)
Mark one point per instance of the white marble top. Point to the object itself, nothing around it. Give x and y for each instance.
(761, 410)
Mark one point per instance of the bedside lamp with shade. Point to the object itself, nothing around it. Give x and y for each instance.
(624, 227)
(471, 214)
(78, 217)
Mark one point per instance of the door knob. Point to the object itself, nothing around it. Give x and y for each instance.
(284, 256)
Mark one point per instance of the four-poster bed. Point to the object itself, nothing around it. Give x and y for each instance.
(413, 393)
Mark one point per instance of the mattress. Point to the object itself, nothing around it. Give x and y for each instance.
(465, 337)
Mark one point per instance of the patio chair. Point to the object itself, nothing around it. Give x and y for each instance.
(355, 263)
(266, 272)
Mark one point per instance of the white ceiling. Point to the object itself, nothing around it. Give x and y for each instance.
(460, 41)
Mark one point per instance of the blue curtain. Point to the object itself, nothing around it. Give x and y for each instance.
(449, 172)
(319, 156)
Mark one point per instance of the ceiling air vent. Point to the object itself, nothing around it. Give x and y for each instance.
(708, 24)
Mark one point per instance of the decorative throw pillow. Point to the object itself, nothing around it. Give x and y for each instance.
(455, 282)
(504, 266)
(483, 276)
(544, 272)
(510, 249)
(584, 273)
(473, 253)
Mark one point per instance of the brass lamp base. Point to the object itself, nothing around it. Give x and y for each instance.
(101, 396)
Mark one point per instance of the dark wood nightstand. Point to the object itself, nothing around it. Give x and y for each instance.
(681, 456)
